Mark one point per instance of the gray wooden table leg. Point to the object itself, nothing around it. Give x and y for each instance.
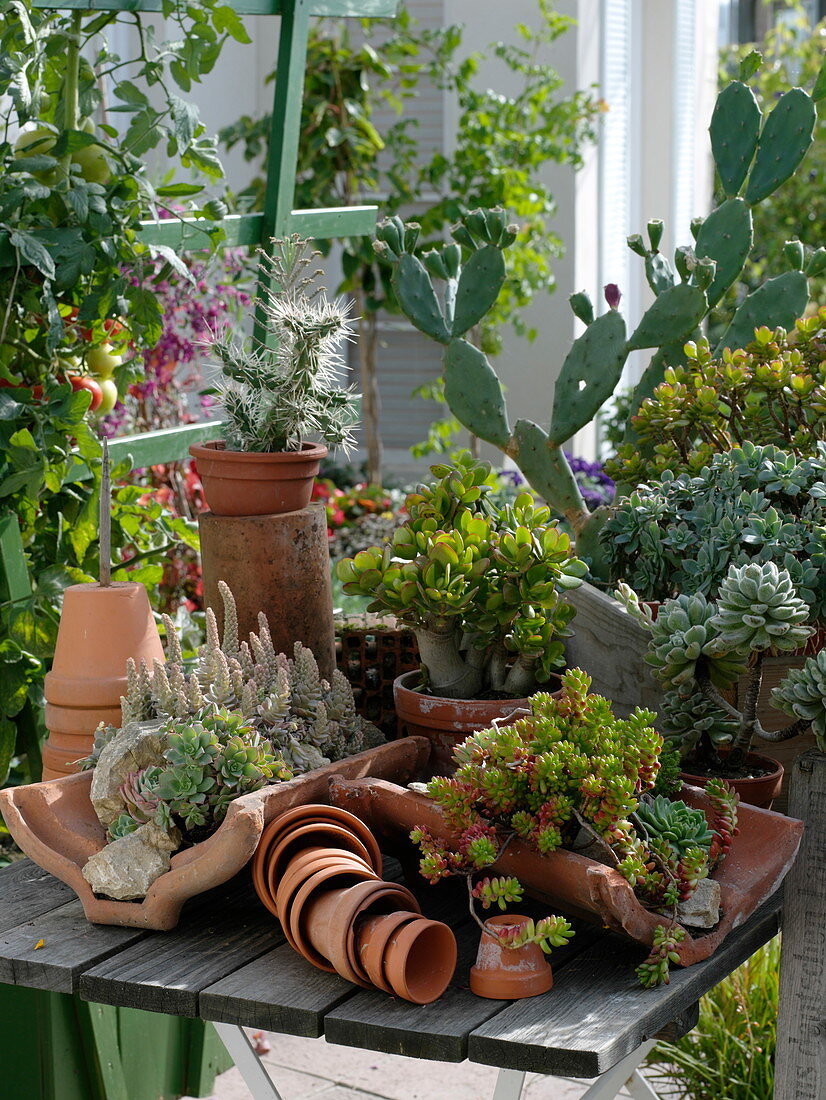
(624, 1073)
(247, 1062)
(509, 1084)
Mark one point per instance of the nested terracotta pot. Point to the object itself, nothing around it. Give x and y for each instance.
(508, 973)
(372, 935)
(420, 960)
(447, 722)
(249, 483)
(296, 913)
(760, 791)
(101, 627)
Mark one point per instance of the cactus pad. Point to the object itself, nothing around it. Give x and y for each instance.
(784, 141)
(674, 314)
(418, 298)
(546, 468)
(726, 237)
(779, 301)
(474, 393)
(480, 282)
(734, 130)
(658, 272)
(589, 375)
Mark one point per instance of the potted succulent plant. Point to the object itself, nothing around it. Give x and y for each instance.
(483, 589)
(282, 399)
(699, 648)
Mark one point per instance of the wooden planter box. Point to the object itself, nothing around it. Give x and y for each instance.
(610, 645)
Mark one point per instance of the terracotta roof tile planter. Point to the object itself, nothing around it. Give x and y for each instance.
(55, 824)
(760, 856)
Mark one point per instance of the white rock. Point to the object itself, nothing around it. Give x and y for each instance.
(127, 867)
(702, 909)
(136, 746)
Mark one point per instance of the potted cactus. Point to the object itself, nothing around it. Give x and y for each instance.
(483, 589)
(281, 398)
(699, 648)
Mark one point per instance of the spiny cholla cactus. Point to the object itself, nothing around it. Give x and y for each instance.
(802, 695)
(284, 392)
(206, 765)
(308, 720)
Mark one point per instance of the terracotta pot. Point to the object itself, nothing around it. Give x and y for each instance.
(245, 483)
(312, 812)
(420, 959)
(290, 883)
(305, 902)
(100, 629)
(760, 791)
(508, 973)
(55, 824)
(313, 835)
(387, 900)
(761, 854)
(372, 935)
(447, 722)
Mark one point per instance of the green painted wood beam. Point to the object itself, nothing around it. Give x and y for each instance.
(246, 230)
(151, 448)
(364, 9)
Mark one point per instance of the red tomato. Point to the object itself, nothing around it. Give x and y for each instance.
(86, 382)
(36, 391)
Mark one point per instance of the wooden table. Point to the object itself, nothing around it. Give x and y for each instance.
(228, 962)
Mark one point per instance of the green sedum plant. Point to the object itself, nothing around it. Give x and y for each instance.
(307, 721)
(285, 391)
(749, 504)
(753, 155)
(773, 391)
(206, 765)
(480, 584)
(571, 764)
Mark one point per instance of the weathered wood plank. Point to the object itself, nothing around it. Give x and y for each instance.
(801, 1023)
(27, 891)
(70, 944)
(610, 646)
(167, 971)
(596, 1014)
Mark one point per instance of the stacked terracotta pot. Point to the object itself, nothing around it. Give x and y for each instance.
(317, 869)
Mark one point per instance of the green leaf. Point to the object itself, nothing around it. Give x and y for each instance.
(31, 251)
(185, 117)
(225, 19)
(171, 190)
(173, 259)
(819, 90)
(8, 737)
(130, 93)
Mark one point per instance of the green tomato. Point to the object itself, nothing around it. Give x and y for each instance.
(109, 398)
(101, 362)
(37, 142)
(92, 163)
(87, 126)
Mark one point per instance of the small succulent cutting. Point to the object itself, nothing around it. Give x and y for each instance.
(569, 765)
(699, 648)
(481, 585)
(206, 765)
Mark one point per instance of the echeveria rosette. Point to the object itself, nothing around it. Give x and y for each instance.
(758, 609)
(680, 826)
(802, 695)
(687, 714)
(684, 634)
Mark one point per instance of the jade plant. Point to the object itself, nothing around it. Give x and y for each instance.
(285, 391)
(569, 765)
(680, 535)
(753, 154)
(207, 763)
(307, 720)
(701, 648)
(773, 391)
(481, 585)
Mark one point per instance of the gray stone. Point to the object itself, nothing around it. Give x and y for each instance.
(127, 867)
(702, 909)
(136, 746)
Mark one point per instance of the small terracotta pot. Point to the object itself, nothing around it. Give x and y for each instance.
(246, 483)
(372, 934)
(447, 722)
(326, 918)
(314, 811)
(101, 627)
(508, 973)
(387, 900)
(419, 960)
(321, 834)
(305, 902)
(289, 884)
(760, 791)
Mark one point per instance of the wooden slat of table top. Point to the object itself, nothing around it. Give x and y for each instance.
(596, 1013)
(70, 944)
(224, 930)
(27, 891)
(375, 1021)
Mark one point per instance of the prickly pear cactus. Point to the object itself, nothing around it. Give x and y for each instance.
(753, 155)
(308, 720)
